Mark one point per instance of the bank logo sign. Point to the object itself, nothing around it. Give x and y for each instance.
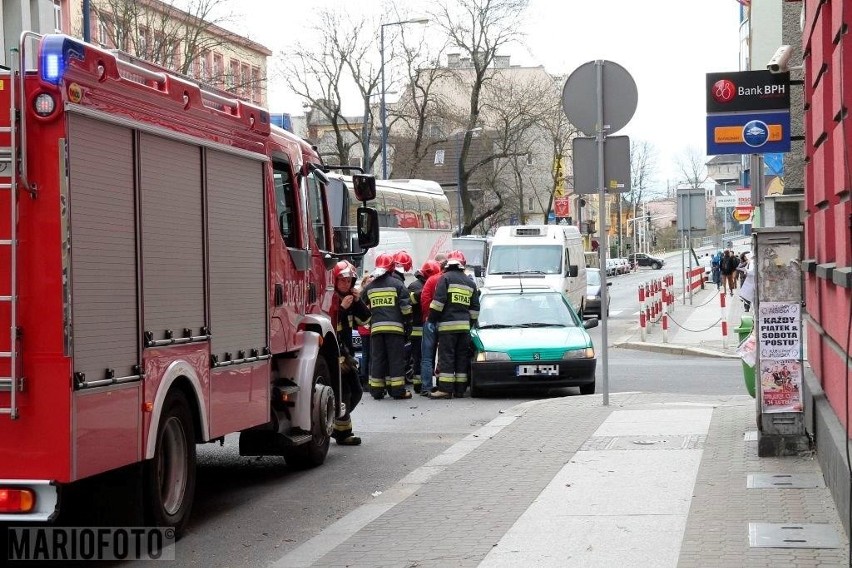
(748, 112)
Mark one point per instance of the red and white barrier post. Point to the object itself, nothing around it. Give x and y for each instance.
(665, 316)
(724, 321)
(642, 312)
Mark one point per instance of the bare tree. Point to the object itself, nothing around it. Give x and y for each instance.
(480, 29)
(643, 167)
(516, 110)
(319, 72)
(690, 164)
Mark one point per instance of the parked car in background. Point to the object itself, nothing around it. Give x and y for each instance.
(624, 265)
(593, 293)
(530, 337)
(611, 267)
(642, 259)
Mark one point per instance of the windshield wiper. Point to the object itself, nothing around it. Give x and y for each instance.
(538, 324)
(494, 326)
(531, 272)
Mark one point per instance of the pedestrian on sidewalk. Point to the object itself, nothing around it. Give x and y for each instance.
(747, 289)
(729, 272)
(716, 269)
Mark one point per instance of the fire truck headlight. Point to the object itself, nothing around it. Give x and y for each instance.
(44, 105)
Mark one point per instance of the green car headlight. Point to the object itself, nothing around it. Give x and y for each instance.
(587, 353)
(492, 356)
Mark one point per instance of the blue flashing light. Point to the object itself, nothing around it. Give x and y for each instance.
(56, 52)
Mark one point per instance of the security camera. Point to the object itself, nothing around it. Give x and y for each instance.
(779, 61)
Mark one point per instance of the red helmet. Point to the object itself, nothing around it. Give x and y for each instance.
(456, 257)
(344, 269)
(403, 259)
(430, 268)
(384, 261)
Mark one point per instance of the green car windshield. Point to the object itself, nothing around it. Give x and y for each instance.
(545, 309)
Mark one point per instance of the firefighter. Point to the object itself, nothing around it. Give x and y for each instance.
(430, 272)
(455, 305)
(390, 310)
(403, 263)
(416, 335)
(349, 310)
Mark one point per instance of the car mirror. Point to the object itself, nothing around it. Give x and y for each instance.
(368, 227)
(573, 270)
(609, 283)
(590, 323)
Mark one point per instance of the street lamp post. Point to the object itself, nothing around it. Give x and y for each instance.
(383, 110)
(459, 137)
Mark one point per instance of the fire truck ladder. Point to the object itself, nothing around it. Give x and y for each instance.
(9, 183)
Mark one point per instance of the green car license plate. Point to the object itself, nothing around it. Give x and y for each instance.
(537, 370)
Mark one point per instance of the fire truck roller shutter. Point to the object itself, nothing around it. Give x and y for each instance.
(101, 205)
(172, 242)
(238, 304)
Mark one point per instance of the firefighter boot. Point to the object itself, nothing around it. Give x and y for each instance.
(377, 388)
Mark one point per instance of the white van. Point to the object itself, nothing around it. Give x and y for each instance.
(552, 254)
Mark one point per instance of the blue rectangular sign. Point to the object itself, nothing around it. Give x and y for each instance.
(748, 133)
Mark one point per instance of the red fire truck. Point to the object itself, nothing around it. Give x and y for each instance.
(164, 280)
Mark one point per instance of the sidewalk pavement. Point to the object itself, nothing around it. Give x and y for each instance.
(694, 327)
(652, 480)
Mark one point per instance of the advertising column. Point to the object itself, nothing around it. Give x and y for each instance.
(781, 421)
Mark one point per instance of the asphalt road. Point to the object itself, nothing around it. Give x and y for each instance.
(252, 511)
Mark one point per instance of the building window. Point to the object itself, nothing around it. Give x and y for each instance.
(234, 75)
(245, 80)
(255, 85)
(530, 204)
(143, 42)
(103, 32)
(439, 157)
(529, 159)
(57, 16)
(218, 68)
(435, 131)
(355, 162)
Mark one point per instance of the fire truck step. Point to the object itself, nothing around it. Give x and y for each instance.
(5, 298)
(5, 241)
(5, 354)
(5, 384)
(5, 186)
(297, 439)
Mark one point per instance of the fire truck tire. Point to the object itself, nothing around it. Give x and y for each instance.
(323, 408)
(169, 478)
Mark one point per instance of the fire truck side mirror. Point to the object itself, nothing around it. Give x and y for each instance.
(368, 227)
(364, 186)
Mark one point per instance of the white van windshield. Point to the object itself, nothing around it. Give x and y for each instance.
(525, 259)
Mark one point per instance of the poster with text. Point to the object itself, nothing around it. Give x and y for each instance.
(779, 330)
(781, 385)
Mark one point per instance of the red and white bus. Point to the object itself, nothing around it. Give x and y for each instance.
(414, 215)
(165, 280)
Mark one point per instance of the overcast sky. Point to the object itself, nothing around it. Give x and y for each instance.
(667, 47)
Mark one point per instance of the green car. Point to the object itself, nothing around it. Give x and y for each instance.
(530, 337)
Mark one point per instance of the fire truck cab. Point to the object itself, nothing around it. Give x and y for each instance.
(165, 260)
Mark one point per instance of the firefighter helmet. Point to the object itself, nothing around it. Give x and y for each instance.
(403, 260)
(456, 258)
(384, 262)
(430, 268)
(344, 269)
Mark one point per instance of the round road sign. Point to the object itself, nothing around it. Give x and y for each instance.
(580, 97)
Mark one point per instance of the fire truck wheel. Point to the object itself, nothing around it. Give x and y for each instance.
(170, 475)
(323, 405)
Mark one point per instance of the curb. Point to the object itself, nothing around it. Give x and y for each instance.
(673, 349)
